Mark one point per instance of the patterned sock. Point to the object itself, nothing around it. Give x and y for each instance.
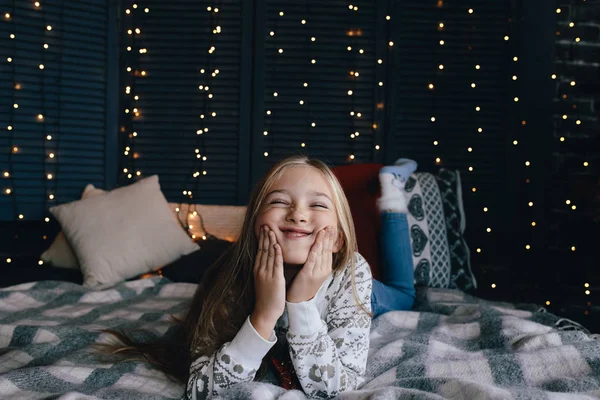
(392, 179)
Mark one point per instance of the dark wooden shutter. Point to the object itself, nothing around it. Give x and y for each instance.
(474, 51)
(69, 93)
(166, 58)
(335, 27)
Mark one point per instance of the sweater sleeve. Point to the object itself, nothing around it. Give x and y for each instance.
(330, 357)
(236, 361)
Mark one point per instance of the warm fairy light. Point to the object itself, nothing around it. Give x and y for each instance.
(442, 42)
(530, 204)
(493, 286)
(435, 142)
(40, 117)
(441, 66)
(485, 209)
(488, 230)
(515, 58)
(49, 27)
(506, 38)
(527, 247)
(432, 119)
(431, 86)
(21, 216)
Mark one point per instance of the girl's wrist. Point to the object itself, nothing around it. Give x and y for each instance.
(263, 326)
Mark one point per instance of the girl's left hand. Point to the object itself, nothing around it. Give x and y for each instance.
(317, 268)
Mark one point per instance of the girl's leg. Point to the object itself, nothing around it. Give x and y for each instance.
(397, 291)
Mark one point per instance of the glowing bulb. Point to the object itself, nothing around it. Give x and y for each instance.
(380, 83)
(275, 94)
(41, 66)
(558, 10)
(391, 43)
(9, 59)
(8, 191)
(470, 11)
(585, 164)
(313, 61)
(51, 155)
(303, 22)
(515, 59)
(528, 247)
(49, 27)
(435, 142)
(514, 77)
(40, 117)
(516, 99)
(573, 248)
(506, 38)
(441, 66)
(350, 92)
(473, 85)
(442, 42)
(266, 153)
(432, 119)
(477, 108)
(312, 39)
(485, 209)
(51, 196)
(441, 25)
(12, 35)
(493, 286)
(49, 176)
(533, 223)
(470, 149)
(488, 230)
(379, 61)
(431, 86)
(578, 39)
(387, 17)
(49, 137)
(377, 147)
(8, 260)
(280, 51)
(265, 133)
(7, 16)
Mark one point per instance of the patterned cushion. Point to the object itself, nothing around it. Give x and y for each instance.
(437, 223)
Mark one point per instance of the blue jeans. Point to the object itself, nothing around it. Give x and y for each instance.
(398, 291)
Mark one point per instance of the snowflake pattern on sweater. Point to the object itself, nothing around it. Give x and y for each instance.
(328, 338)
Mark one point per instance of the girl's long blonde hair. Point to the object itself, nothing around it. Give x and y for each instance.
(226, 297)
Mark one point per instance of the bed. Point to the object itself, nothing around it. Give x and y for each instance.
(451, 346)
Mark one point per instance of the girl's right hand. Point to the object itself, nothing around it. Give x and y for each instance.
(269, 284)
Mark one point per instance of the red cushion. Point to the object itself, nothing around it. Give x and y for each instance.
(361, 185)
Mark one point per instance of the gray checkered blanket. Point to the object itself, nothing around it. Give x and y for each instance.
(451, 346)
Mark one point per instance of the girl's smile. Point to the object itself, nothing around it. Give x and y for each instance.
(298, 206)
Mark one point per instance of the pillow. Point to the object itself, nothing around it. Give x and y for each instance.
(361, 186)
(124, 233)
(59, 254)
(437, 223)
(191, 268)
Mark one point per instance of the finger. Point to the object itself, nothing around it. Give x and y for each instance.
(258, 258)
(278, 268)
(271, 253)
(314, 254)
(264, 244)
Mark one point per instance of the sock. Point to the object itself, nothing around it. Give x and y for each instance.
(392, 179)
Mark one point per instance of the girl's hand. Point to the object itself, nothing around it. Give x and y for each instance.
(269, 284)
(317, 268)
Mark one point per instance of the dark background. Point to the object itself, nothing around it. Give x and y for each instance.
(514, 106)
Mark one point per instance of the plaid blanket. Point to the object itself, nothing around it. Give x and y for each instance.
(451, 346)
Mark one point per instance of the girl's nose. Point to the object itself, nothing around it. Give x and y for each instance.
(297, 215)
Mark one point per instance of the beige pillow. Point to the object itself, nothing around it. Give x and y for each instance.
(124, 233)
(59, 254)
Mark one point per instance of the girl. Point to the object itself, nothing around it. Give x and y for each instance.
(290, 301)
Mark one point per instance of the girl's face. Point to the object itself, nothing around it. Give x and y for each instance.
(297, 207)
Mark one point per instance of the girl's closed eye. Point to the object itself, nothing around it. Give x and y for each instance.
(320, 205)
